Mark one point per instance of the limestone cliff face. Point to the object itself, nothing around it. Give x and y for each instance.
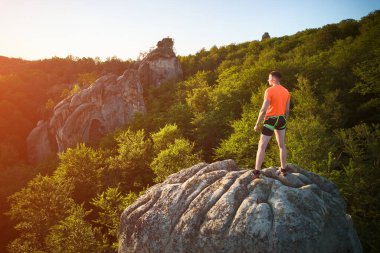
(218, 207)
(107, 104)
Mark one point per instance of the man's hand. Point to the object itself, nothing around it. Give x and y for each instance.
(257, 128)
(262, 112)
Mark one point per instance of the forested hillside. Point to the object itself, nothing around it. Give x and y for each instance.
(333, 73)
(28, 92)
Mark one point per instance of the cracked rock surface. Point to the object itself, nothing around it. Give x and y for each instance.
(219, 207)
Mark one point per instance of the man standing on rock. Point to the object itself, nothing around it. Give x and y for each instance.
(275, 111)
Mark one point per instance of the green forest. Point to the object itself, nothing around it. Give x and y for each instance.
(332, 72)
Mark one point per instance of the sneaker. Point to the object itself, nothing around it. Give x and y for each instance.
(282, 171)
(256, 173)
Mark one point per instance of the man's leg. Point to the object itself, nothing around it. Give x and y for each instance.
(280, 137)
(263, 143)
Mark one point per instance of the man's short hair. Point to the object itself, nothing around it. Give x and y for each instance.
(276, 74)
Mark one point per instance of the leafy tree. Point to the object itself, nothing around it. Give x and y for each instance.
(86, 79)
(36, 208)
(241, 145)
(74, 234)
(159, 102)
(308, 140)
(180, 115)
(199, 100)
(83, 166)
(130, 167)
(177, 156)
(111, 203)
(232, 90)
(358, 180)
(209, 128)
(201, 79)
(367, 66)
(165, 136)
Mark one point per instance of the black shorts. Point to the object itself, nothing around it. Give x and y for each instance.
(273, 122)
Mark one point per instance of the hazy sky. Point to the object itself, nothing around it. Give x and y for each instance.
(37, 29)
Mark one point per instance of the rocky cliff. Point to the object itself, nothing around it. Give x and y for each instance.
(107, 104)
(218, 207)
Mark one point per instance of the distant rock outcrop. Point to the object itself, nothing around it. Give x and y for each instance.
(106, 105)
(265, 36)
(160, 65)
(217, 207)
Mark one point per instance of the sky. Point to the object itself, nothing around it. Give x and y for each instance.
(39, 29)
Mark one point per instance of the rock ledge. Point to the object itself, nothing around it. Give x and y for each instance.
(218, 207)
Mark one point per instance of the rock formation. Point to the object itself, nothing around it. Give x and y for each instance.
(218, 207)
(265, 36)
(160, 65)
(107, 104)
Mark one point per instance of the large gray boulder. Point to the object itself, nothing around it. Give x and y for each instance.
(104, 106)
(218, 207)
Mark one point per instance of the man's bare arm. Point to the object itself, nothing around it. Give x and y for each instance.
(287, 109)
(263, 110)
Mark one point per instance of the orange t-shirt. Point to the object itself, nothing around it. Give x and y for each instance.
(278, 96)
